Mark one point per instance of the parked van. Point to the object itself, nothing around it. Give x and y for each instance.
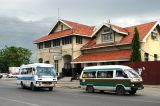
(118, 78)
(35, 75)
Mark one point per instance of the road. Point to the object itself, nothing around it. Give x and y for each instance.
(11, 95)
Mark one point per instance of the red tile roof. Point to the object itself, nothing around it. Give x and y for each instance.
(80, 29)
(54, 35)
(104, 56)
(143, 31)
(89, 29)
(123, 30)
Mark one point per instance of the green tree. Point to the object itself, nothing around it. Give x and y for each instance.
(13, 57)
(136, 54)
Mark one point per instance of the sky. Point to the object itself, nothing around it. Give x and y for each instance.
(23, 21)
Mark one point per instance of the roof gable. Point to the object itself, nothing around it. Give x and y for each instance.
(113, 27)
(77, 28)
(144, 31)
(80, 29)
(60, 22)
(73, 29)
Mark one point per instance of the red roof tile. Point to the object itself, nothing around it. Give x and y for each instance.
(54, 35)
(80, 28)
(77, 28)
(104, 56)
(143, 31)
(123, 30)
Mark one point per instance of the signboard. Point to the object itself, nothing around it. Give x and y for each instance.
(55, 50)
(57, 57)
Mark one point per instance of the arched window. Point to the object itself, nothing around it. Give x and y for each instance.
(40, 60)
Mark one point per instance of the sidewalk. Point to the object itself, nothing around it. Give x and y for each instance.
(71, 85)
(152, 86)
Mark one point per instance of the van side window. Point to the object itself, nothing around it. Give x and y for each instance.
(89, 75)
(105, 74)
(26, 71)
(120, 74)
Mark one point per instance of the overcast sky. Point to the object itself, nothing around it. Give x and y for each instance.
(22, 21)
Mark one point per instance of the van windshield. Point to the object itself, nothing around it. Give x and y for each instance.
(46, 71)
(131, 73)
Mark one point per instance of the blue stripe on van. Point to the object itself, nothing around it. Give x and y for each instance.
(25, 78)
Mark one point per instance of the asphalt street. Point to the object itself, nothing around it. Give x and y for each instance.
(11, 95)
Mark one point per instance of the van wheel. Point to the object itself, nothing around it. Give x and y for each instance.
(22, 86)
(90, 89)
(50, 89)
(33, 87)
(120, 90)
(132, 92)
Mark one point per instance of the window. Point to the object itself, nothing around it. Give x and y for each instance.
(107, 37)
(40, 60)
(56, 42)
(89, 75)
(47, 62)
(154, 34)
(121, 74)
(67, 40)
(67, 66)
(79, 39)
(61, 27)
(40, 45)
(155, 57)
(56, 65)
(47, 44)
(105, 74)
(146, 56)
(26, 71)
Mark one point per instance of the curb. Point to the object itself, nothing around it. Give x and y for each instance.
(152, 86)
(69, 87)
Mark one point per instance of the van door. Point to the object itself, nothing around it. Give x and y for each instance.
(105, 80)
(121, 78)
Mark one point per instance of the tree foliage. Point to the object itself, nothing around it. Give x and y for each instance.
(136, 54)
(13, 57)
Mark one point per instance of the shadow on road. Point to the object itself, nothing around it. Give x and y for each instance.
(37, 89)
(112, 94)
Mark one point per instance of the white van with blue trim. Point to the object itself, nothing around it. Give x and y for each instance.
(37, 75)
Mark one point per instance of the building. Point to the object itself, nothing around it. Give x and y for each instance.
(63, 44)
(83, 45)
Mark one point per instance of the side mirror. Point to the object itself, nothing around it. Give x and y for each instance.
(125, 76)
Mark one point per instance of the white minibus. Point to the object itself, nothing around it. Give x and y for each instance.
(117, 78)
(37, 75)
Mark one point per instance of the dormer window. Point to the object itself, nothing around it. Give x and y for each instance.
(107, 37)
